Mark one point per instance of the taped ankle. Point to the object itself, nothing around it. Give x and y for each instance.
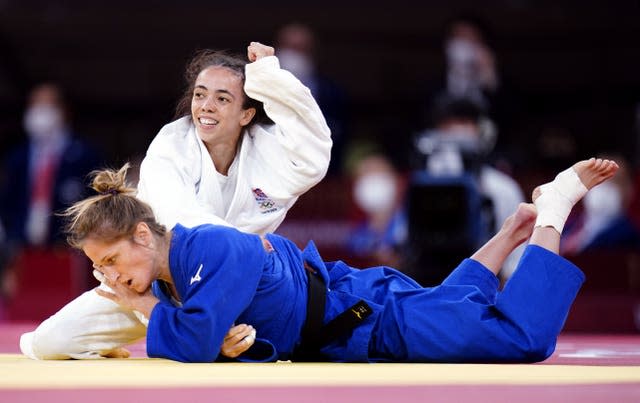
(557, 198)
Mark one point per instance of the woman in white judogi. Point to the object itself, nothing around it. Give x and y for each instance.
(217, 164)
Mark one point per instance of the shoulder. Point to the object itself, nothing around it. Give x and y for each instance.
(206, 233)
(175, 131)
(174, 137)
(216, 244)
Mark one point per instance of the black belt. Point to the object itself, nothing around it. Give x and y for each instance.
(314, 334)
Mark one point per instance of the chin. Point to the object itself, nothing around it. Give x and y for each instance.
(141, 289)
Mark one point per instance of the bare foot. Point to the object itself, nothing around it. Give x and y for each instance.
(519, 225)
(595, 171)
(516, 229)
(591, 173)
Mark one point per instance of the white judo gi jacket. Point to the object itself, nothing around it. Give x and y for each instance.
(276, 164)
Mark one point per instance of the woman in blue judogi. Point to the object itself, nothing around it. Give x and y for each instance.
(193, 284)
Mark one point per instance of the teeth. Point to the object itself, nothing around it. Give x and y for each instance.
(207, 121)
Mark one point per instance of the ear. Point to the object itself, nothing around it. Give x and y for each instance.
(142, 235)
(247, 115)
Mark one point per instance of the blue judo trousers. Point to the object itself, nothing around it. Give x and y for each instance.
(223, 277)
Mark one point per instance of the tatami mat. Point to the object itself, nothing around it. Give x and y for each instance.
(587, 368)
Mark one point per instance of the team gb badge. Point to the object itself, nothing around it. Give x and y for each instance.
(264, 202)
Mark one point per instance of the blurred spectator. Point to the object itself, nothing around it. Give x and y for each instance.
(378, 191)
(471, 64)
(458, 145)
(45, 174)
(296, 48)
(604, 221)
(471, 72)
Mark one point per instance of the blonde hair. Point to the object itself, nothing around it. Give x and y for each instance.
(110, 215)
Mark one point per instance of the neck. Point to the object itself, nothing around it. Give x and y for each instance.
(165, 270)
(222, 155)
(223, 150)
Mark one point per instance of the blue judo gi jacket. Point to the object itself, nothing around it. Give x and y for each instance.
(224, 276)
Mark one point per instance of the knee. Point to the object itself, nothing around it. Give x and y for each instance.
(538, 349)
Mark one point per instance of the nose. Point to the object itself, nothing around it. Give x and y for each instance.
(109, 273)
(208, 104)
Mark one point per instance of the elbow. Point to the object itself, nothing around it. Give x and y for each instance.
(193, 354)
(200, 355)
(318, 167)
(319, 171)
(45, 343)
(304, 177)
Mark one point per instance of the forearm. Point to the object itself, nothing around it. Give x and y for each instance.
(88, 327)
(300, 138)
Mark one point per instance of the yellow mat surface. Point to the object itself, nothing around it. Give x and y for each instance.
(20, 372)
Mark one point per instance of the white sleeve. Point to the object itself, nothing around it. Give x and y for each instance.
(88, 327)
(302, 146)
(167, 184)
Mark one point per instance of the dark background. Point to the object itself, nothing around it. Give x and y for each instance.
(574, 65)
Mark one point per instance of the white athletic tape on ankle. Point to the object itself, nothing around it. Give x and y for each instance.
(557, 198)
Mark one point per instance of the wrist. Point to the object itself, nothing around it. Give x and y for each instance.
(146, 304)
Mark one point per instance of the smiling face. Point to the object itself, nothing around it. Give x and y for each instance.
(129, 261)
(217, 106)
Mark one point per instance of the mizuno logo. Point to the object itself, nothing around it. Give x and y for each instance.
(197, 277)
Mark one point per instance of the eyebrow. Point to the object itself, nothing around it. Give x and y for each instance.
(219, 90)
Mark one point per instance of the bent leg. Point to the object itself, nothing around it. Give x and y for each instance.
(516, 229)
(455, 323)
(90, 326)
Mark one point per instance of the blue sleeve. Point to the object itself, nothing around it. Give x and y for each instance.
(262, 350)
(216, 274)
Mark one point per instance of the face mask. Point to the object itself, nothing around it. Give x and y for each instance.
(461, 53)
(375, 192)
(603, 200)
(295, 62)
(42, 122)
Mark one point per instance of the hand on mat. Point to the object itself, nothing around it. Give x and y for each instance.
(129, 298)
(119, 352)
(256, 51)
(238, 340)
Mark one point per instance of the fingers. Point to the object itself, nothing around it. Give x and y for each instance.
(119, 352)
(237, 330)
(238, 340)
(250, 339)
(106, 294)
(237, 333)
(99, 276)
(256, 51)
